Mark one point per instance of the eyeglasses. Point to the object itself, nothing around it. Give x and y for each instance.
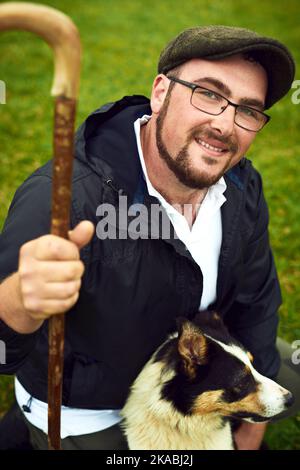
(213, 103)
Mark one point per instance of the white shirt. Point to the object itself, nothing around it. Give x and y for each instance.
(203, 242)
(74, 421)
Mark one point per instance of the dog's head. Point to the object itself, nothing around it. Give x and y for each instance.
(213, 373)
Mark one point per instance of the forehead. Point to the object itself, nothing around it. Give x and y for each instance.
(243, 77)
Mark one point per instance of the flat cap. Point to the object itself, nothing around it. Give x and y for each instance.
(217, 42)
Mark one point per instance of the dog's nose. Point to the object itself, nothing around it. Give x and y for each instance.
(288, 399)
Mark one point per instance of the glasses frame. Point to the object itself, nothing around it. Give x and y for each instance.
(193, 87)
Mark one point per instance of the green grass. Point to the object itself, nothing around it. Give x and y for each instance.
(121, 43)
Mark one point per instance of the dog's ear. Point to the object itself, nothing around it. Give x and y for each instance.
(209, 318)
(192, 346)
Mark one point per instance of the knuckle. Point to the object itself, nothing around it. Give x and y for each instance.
(26, 269)
(50, 246)
(59, 248)
(53, 247)
(31, 303)
(24, 249)
(43, 242)
(26, 289)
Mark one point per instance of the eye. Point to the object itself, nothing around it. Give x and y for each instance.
(248, 112)
(233, 394)
(208, 94)
(236, 390)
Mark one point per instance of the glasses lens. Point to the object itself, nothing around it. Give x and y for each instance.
(212, 103)
(249, 118)
(208, 101)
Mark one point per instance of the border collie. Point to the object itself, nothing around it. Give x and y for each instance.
(187, 394)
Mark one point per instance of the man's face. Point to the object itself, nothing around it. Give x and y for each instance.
(197, 147)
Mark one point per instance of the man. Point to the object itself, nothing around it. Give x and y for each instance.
(186, 152)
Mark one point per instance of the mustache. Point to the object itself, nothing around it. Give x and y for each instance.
(207, 133)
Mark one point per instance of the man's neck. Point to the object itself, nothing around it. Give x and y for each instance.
(186, 200)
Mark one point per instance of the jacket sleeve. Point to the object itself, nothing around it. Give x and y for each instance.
(28, 218)
(253, 317)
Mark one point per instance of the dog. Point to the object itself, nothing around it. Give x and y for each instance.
(200, 379)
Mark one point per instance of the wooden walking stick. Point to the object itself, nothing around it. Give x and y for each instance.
(62, 35)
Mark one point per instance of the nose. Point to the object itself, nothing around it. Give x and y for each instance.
(288, 399)
(224, 122)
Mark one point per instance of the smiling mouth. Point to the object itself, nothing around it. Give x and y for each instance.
(211, 149)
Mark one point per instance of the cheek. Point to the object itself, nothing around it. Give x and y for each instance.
(174, 130)
(178, 126)
(245, 139)
(249, 404)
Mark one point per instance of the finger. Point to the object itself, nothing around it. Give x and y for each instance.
(36, 273)
(51, 247)
(60, 290)
(42, 310)
(62, 271)
(82, 233)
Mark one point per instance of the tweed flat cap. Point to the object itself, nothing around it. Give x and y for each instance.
(218, 42)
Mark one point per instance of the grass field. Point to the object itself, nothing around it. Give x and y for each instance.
(121, 43)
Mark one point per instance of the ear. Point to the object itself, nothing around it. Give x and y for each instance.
(192, 347)
(159, 91)
(210, 318)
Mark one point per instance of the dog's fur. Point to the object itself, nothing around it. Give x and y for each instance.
(193, 385)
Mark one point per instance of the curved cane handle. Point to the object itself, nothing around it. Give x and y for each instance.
(58, 31)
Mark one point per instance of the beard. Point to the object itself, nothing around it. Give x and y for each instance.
(180, 164)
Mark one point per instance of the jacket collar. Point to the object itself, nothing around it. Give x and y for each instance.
(106, 142)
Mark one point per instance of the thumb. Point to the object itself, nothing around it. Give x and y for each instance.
(81, 235)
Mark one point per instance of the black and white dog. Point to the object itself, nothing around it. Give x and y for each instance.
(193, 385)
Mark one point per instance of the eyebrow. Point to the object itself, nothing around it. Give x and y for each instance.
(224, 89)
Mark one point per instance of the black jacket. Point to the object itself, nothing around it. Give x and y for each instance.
(133, 290)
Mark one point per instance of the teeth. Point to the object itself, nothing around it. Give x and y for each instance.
(210, 147)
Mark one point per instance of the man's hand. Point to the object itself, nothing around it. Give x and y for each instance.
(249, 436)
(50, 272)
(48, 279)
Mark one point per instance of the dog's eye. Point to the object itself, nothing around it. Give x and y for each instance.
(232, 394)
(235, 393)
